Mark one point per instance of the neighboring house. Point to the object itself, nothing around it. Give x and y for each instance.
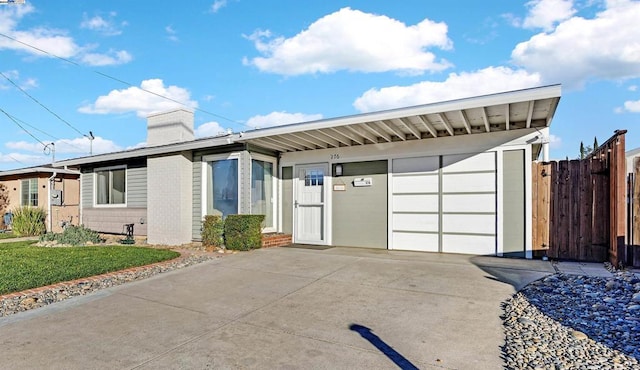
(55, 190)
(631, 156)
(445, 177)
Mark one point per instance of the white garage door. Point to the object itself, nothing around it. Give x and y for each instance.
(449, 208)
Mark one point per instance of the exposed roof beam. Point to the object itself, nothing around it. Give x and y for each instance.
(530, 113)
(293, 143)
(506, 117)
(425, 121)
(354, 137)
(465, 121)
(274, 140)
(309, 139)
(405, 121)
(357, 129)
(394, 129)
(337, 136)
(322, 136)
(485, 119)
(377, 131)
(270, 145)
(446, 123)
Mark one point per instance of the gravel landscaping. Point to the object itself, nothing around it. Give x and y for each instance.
(34, 298)
(574, 322)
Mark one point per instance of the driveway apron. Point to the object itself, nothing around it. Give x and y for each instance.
(283, 308)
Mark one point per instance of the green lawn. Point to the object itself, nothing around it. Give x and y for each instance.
(23, 266)
(7, 235)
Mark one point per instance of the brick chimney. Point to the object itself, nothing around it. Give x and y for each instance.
(170, 127)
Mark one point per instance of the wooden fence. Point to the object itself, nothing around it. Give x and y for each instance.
(579, 206)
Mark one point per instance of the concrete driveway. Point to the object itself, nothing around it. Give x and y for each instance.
(283, 308)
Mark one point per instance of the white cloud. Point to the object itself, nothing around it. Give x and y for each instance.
(632, 106)
(280, 118)
(55, 42)
(14, 75)
(605, 47)
(209, 129)
(79, 145)
(108, 27)
(546, 14)
(456, 86)
(23, 159)
(172, 34)
(113, 57)
(555, 142)
(356, 41)
(633, 88)
(136, 99)
(217, 5)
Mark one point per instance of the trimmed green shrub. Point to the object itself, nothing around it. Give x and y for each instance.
(213, 231)
(243, 232)
(29, 221)
(74, 235)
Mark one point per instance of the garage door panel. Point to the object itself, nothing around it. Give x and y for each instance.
(415, 184)
(417, 165)
(481, 224)
(415, 203)
(415, 241)
(468, 203)
(415, 222)
(469, 182)
(467, 163)
(469, 244)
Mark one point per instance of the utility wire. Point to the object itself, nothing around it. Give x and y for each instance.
(122, 81)
(23, 129)
(39, 103)
(48, 134)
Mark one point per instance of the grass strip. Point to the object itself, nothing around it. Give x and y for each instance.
(23, 266)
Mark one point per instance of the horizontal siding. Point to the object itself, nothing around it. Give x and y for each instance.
(87, 189)
(137, 187)
(197, 200)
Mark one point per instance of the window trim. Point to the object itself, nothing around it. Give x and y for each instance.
(95, 186)
(29, 180)
(274, 185)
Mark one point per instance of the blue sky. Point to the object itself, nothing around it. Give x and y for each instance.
(71, 67)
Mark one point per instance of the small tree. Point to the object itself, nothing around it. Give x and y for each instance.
(4, 202)
(595, 143)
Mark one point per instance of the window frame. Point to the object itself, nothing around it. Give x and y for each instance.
(95, 186)
(29, 192)
(207, 170)
(274, 188)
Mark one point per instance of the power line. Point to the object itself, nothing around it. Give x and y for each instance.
(23, 129)
(39, 103)
(123, 81)
(48, 134)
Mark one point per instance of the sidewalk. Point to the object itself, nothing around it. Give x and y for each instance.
(13, 240)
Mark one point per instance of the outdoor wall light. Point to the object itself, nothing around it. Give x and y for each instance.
(338, 170)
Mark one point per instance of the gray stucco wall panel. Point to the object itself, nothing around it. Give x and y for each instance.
(196, 233)
(359, 214)
(287, 200)
(513, 203)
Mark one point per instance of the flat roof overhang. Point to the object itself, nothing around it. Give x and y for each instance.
(514, 110)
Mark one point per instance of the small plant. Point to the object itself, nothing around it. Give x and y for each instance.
(74, 235)
(243, 232)
(213, 231)
(29, 221)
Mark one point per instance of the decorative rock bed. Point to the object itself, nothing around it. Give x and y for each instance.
(574, 322)
(33, 298)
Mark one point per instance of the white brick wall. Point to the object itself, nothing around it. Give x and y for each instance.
(169, 187)
(170, 127)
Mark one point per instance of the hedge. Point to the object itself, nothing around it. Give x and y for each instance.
(213, 231)
(243, 232)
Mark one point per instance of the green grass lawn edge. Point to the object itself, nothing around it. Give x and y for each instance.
(24, 266)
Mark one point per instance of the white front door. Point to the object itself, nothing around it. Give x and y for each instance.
(310, 204)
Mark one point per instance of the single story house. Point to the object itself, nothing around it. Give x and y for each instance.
(451, 177)
(55, 190)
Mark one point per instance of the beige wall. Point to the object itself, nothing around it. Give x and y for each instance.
(70, 186)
